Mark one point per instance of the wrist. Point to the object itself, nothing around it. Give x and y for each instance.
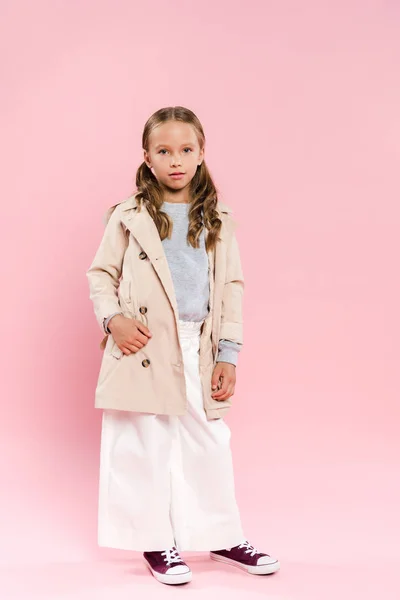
(113, 321)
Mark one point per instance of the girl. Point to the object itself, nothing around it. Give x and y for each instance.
(166, 285)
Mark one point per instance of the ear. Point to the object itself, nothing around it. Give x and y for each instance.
(201, 156)
(146, 157)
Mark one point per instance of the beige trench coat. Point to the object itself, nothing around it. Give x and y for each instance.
(130, 272)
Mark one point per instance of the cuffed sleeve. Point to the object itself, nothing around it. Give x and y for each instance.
(228, 352)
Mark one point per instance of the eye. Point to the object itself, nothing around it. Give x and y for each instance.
(164, 150)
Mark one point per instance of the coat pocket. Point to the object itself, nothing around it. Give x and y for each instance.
(111, 348)
(116, 351)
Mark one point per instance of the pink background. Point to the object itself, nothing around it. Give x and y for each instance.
(300, 105)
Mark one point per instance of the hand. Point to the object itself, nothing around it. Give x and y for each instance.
(130, 335)
(224, 374)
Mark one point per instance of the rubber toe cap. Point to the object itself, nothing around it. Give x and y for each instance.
(266, 560)
(178, 570)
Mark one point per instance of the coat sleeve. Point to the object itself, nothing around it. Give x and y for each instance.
(105, 271)
(232, 298)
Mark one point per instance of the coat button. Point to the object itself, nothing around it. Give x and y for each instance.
(142, 255)
(145, 362)
(143, 310)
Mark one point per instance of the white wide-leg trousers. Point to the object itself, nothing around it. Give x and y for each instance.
(168, 480)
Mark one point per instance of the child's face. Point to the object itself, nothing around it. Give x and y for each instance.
(173, 147)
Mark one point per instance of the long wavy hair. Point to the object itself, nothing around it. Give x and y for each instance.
(203, 193)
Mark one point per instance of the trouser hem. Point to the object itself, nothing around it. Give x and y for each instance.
(195, 541)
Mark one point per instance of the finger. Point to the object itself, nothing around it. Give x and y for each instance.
(215, 378)
(130, 349)
(228, 393)
(135, 343)
(139, 345)
(223, 390)
(135, 346)
(143, 339)
(143, 329)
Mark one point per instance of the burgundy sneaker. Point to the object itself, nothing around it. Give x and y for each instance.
(168, 567)
(248, 558)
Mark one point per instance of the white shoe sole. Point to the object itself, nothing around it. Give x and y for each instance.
(253, 570)
(171, 579)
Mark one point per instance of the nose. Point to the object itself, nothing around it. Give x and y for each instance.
(176, 160)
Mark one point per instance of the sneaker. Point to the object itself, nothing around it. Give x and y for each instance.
(248, 558)
(168, 567)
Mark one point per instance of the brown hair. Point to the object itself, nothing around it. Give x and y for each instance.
(202, 211)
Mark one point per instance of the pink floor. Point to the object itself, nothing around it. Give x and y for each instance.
(127, 579)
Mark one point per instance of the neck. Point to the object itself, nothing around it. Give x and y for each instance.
(177, 196)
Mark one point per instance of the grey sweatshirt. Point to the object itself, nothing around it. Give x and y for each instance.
(190, 276)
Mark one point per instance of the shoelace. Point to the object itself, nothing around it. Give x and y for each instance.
(171, 556)
(250, 548)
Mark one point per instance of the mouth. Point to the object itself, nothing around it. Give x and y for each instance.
(176, 175)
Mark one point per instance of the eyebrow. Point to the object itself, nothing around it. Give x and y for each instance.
(162, 145)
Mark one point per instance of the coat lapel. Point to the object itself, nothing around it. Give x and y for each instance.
(143, 228)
